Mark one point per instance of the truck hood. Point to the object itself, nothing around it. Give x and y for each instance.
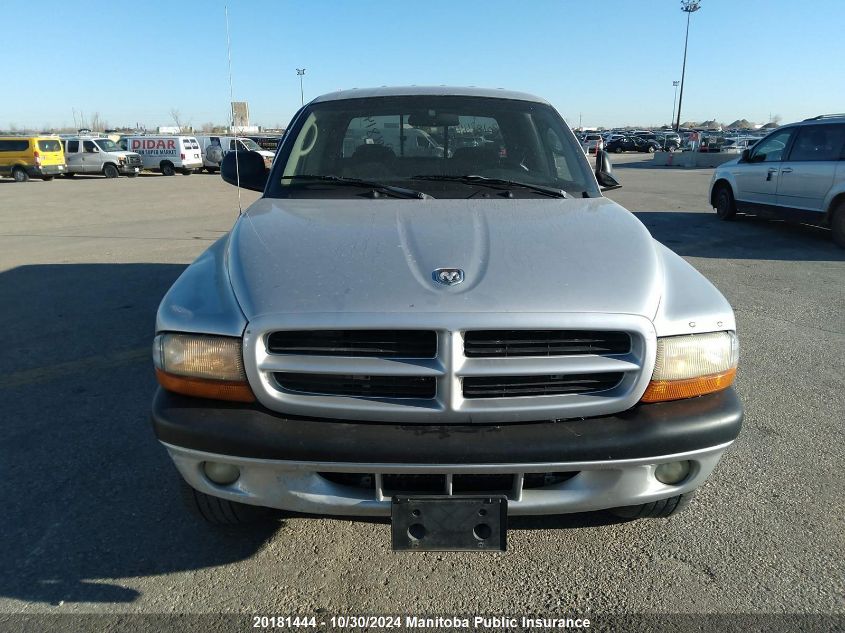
(525, 255)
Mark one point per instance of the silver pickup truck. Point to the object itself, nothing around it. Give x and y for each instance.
(445, 339)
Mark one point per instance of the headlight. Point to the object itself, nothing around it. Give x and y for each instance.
(693, 365)
(202, 365)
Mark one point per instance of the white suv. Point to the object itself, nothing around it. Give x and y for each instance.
(795, 173)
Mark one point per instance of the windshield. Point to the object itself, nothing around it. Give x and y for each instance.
(108, 145)
(426, 143)
(250, 145)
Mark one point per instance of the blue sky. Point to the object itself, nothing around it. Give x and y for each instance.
(610, 62)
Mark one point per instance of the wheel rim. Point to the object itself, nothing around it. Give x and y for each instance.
(722, 203)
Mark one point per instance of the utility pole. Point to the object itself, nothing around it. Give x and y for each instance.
(301, 72)
(674, 102)
(689, 7)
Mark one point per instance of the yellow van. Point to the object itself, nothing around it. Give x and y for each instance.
(25, 157)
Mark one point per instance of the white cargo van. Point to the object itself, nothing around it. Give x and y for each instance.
(214, 148)
(167, 154)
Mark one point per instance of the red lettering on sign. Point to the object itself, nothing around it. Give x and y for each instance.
(136, 143)
(171, 144)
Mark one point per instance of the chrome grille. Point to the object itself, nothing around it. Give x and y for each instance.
(442, 368)
(542, 385)
(358, 386)
(506, 343)
(367, 343)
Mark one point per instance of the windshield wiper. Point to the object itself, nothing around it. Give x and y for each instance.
(495, 183)
(402, 192)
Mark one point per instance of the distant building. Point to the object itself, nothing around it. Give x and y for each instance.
(174, 129)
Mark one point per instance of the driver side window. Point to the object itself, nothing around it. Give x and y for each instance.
(771, 150)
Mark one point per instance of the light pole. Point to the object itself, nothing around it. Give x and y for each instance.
(301, 72)
(689, 7)
(674, 101)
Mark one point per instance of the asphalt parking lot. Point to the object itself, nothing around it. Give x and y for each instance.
(91, 519)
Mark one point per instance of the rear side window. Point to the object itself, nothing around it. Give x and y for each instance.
(89, 146)
(50, 146)
(819, 142)
(73, 146)
(14, 145)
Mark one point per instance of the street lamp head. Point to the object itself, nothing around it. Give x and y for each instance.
(300, 71)
(676, 83)
(690, 6)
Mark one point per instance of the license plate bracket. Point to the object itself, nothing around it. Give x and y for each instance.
(445, 524)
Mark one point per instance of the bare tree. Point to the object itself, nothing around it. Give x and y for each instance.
(177, 117)
(777, 119)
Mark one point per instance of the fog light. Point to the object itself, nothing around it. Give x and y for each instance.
(672, 473)
(221, 474)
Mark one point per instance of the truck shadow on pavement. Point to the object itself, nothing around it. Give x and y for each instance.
(89, 495)
(698, 234)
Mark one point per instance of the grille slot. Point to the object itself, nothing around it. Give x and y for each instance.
(542, 480)
(492, 482)
(368, 343)
(505, 343)
(547, 385)
(364, 481)
(422, 387)
(410, 482)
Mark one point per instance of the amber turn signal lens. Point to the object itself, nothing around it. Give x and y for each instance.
(236, 391)
(662, 390)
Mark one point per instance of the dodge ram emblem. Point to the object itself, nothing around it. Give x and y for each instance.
(448, 276)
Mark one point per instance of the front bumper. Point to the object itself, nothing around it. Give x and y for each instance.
(130, 169)
(280, 458)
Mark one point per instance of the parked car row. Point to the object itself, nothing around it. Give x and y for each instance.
(618, 142)
(44, 157)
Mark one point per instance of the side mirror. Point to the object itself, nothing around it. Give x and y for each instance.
(604, 172)
(246, 166)
(746, 153)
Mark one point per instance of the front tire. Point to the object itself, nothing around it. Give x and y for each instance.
(725, 204)
(19, 174)
(69, 175)
(167, 169)
(217, 511)
(656, 509)
(46, 178)
(110, 171)
(837, 224)
(618, 150)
